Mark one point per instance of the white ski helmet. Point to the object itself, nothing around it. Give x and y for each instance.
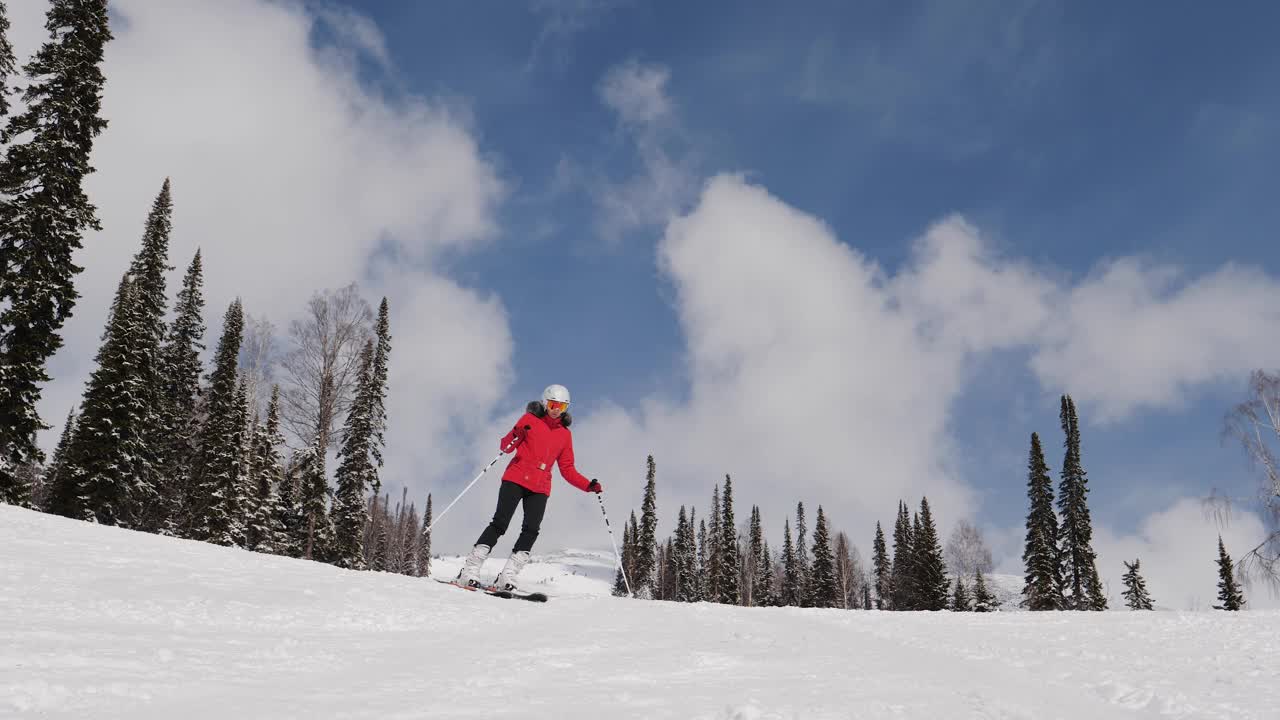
(559, 393)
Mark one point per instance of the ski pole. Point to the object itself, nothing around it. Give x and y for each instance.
(616, 554)
(473, 482)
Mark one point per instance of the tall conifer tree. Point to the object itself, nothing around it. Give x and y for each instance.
(983, 600)
(217, 472)
(8, 63)
(316, 527)
(883, 569)
(424, 542)
(267, 532)
(902, 574)
(1080, 571)
(1042, 589)
(727, 560)
(356, 477)
(802, 555)
(791, 587)
(931, 568)
(822, 579)
(180, 426)
(44, 213)
(646, 542)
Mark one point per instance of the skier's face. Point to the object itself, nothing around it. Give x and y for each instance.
(556, 408)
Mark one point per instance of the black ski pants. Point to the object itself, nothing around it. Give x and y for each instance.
(509, 496)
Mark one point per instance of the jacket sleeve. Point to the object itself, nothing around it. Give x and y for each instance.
(568, 471)
(517, 433)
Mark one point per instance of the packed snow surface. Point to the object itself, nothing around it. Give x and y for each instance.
(99, 622)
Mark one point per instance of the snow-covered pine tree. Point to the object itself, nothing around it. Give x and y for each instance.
(822, 590)
(1135, 588)
(356, 477)
(180, 424)
(931, 566)
(791, 588)
(52, 473)
(315, 526)
(424, 541)
(644, 581)
(712, 572)
(1042, 588)
(727, 560)
(217, 469)
(686, 560)
(766, 577)
(983, 600)
(761, 576)
(960, 601)
(44, 213)
(703, 571)
(266, 532)
(114, 454)
(1080, 571)
(622, 575)
(382, 537)
(902, 572)
(669, 570)
(61, 487)
(8, 63)
(412, 541)
(378, 389)
(97, 465)
(1230, 596)
(882, 568)
(802, 557)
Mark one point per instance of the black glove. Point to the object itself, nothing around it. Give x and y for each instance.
(594, 486)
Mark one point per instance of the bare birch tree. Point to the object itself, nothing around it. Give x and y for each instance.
(1255, 423)
(257, 361)
(967, 552)
(322, 368)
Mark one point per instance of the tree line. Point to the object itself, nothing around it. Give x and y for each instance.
(714, 560)
(157, 444)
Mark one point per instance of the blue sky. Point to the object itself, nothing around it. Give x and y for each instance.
(1073, 132)
(846, 253)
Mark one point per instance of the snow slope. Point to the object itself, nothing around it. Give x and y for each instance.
(99, 622)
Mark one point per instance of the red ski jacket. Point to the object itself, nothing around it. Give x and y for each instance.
(546, 442)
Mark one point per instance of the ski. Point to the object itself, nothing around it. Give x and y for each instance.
(495, 592)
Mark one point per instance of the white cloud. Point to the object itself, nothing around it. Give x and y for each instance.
(292, 176)
(1130, 337)
(647, 117)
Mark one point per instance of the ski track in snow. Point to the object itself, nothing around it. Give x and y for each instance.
(99, 622)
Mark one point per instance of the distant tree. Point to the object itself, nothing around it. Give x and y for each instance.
(1080, 570)
(983, 600)
(322, 369)
(1042, 589)
(646, 543)
(903, 573)
(759, 576)
(266, 531)
(1255, 423)
(713, 570)
(180, 389)
(424, 543)
(356, 477)
(727, 557)
(960, 601)
(623, 572)
(882, 568)
(931, 569)
(219, 466)
(1229, 595)
(850, 577)
(1135, 588)
(967, 551)
(802, 555)
(313, 490)
(822, 591)
(791, 587)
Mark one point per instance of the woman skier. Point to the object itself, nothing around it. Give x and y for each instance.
(540, 439)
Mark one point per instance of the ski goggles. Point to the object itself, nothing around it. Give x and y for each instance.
(557, 405)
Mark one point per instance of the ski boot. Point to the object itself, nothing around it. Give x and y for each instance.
(507, 578)
(469, 575)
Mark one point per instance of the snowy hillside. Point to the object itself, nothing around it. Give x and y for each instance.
(98, 622)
